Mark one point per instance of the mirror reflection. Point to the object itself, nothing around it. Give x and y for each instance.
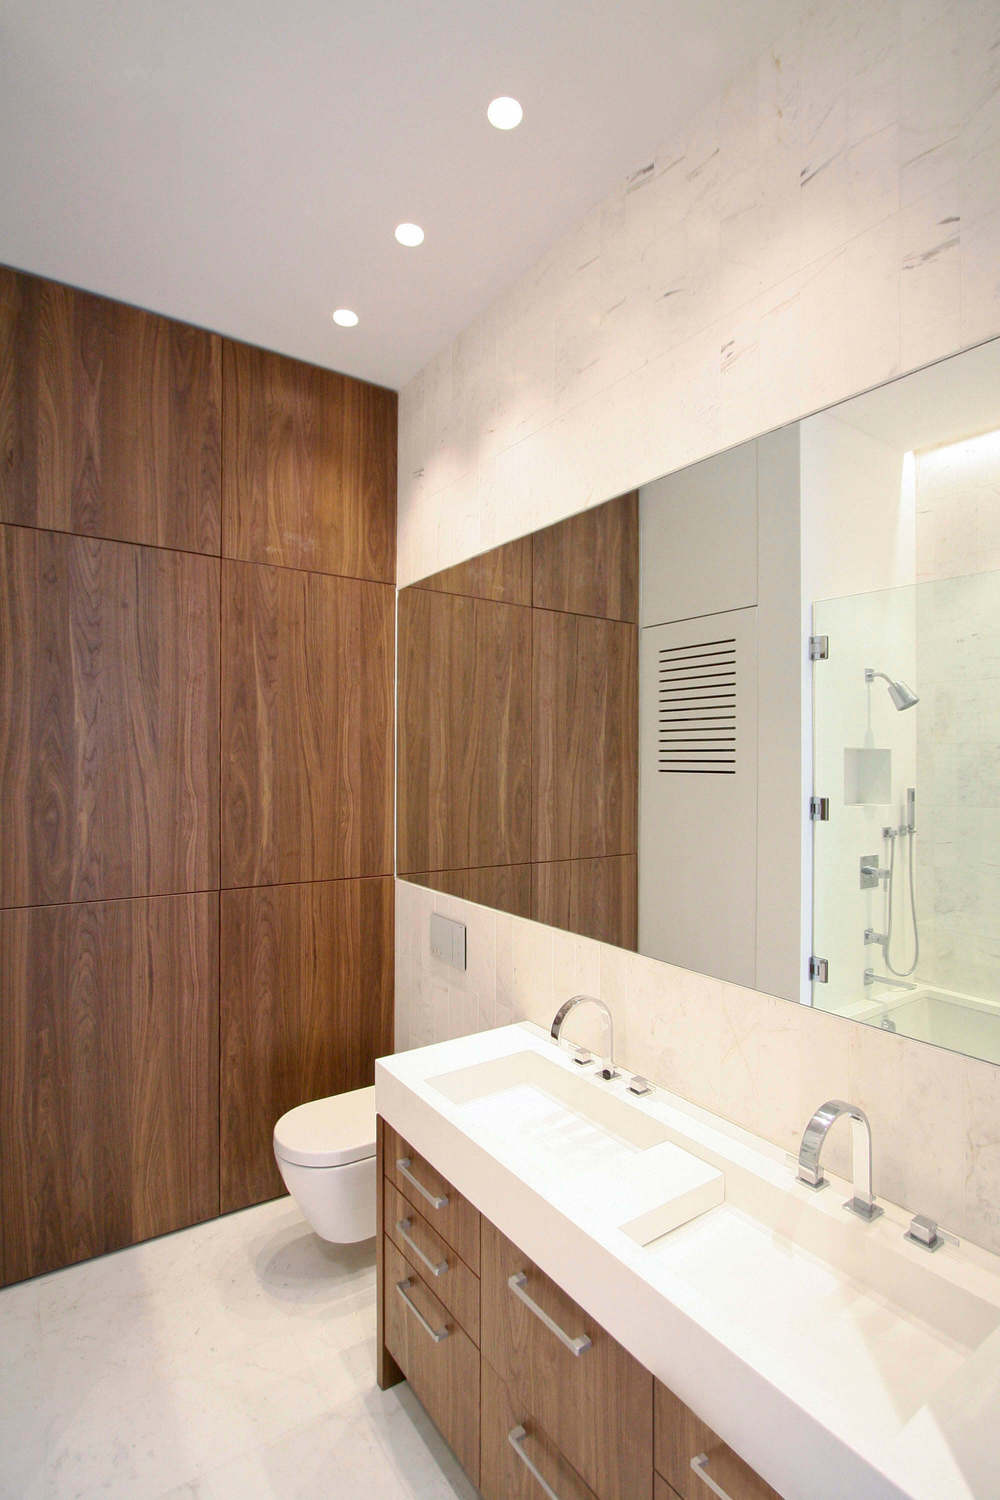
(745, 719)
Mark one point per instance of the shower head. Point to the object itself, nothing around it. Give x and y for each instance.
(902, 696)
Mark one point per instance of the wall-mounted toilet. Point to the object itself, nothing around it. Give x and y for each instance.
(325, 1152)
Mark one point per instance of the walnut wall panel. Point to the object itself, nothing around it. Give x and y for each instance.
(503, 575)
(464, 727)
(584, 736)
(505, 887)
(589, 563)
(110, 418)
(307, 997)
(598, 898)
(309, 477)
(307, 726)
(109, 756)
(109, 1072)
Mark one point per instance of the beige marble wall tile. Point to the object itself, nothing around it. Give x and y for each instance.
(764, 1063)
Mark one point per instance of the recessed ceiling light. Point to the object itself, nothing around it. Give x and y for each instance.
(344, 318)
(409, 234)
(505, 113)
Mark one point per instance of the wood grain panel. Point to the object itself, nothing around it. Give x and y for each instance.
(455, 1220)
(456, 1287)
(109, 755)
(598, 898)
(444, 1375)
(307, 720)
(589, 564)
(504, 887)
(503, 1474)
(584, 739)
(387, 1371)
(109, 1066)
(307, 993)
(464, 726)
(681, 1436)
(504, 574)
(110, 419)
(309, 473)
(596, 1407)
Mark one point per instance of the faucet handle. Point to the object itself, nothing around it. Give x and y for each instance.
(580, 1055)
(928, 1234)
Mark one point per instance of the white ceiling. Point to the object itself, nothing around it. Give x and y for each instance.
(943, 403)
(242, 163)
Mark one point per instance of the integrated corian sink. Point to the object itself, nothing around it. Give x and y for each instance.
(613, 1152)
(830, 1352)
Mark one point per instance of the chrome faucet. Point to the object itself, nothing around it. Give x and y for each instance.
(896, 984)
(608, 1069)
(863, 1202)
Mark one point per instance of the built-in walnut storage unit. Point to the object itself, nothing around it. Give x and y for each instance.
(534, 1397)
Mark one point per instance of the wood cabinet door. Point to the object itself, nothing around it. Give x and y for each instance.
(464, 732)
(306, 1008)
(109, 1076)
(307, 726)
(110, 418)
(584, 737)
(589, 563)
(517, 1456)
(438, 1359)
(448, 1213)
(309, 476)
(681, 1438)
(597, 1405)
(446, 1272)
(109, 719)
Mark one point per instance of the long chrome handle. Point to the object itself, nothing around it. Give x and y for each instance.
(517, 1283)
(404, 1164)
(700, 1466)
(403, 1226)
(437, 1334)
(515, 1438)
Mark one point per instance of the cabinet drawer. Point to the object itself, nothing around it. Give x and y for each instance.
(595, 1405)
(450, 1215)
(438, 1359)
(443, 1269)
(514, 1446)
(681, 1437)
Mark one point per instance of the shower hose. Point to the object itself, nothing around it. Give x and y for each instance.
(901, 973)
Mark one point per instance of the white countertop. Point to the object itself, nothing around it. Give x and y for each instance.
(837, 1359)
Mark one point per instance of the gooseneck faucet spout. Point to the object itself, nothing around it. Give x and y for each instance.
(811, 1173)
(608, 1069)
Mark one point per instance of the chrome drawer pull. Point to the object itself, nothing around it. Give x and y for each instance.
(437, 1334)
(517, 1283)
(700, 1466)
(515, 1438)
(404, 1164)
(402, 1228)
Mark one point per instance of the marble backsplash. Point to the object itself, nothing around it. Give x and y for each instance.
(761, 1062)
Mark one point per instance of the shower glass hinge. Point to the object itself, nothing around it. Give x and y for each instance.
(819, 970)
(819, 809)
(819, 647)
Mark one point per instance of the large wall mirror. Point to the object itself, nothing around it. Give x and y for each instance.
(746, 719)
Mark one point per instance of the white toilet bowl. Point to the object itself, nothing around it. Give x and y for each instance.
(325, 1152)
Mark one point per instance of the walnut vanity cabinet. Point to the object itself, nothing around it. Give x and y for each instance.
(592, 1398)
(533, 1396)
(695, 1461)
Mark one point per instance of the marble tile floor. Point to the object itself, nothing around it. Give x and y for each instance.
(234, 1359)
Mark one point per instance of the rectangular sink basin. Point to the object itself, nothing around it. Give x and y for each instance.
(586, 1136)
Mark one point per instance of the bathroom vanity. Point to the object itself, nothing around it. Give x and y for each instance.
(599, 1295)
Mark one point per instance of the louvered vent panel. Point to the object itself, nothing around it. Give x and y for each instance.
(697, 708)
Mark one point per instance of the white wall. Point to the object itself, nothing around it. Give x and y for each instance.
(832, 220)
